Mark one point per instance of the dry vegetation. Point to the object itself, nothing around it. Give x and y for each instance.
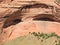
(13, 12)
(36, 39)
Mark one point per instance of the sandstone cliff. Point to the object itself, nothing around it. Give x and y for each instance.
(18, 17)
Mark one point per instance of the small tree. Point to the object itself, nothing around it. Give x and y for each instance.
(35, 34)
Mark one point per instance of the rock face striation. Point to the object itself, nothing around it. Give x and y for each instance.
(18, 17)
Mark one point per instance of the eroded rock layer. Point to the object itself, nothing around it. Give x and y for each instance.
(18, 17)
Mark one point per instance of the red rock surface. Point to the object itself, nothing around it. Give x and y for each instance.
(24, 28)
